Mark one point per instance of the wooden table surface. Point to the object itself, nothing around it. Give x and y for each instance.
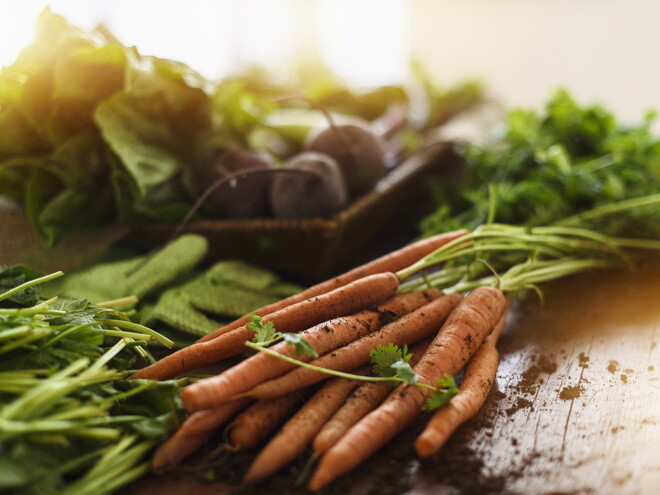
(575, 408)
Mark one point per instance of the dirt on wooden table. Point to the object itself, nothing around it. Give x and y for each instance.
(575, 410)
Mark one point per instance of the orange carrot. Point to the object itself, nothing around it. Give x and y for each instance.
(365, 398)
(252, 426)
(194, 433)
(208, 419)
(323, 337)
(408, 329)
(479, 378)
(458, 339)
(353, 297)
(392, 262)
(299, 431)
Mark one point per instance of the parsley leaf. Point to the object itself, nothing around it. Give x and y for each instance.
(263, 333)
(301, 346)
(392, 361)
(405, 372)
(445, 391)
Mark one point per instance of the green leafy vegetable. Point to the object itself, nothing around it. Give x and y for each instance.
(94, 133)
(66, 413)
(548, 166)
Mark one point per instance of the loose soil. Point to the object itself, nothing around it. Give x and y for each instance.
(570, 393)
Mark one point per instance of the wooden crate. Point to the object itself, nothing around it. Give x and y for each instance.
(314, 249)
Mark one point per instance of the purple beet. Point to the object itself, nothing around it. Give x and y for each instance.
(359, 153)
(243, 196)
(319, 193)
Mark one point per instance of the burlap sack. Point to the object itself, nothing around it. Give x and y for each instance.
(20, 244)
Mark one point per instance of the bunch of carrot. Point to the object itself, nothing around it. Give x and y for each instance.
(348, 417)
(343, 320)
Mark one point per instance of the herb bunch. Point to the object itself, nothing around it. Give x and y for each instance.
(551, 165)
(69, 422)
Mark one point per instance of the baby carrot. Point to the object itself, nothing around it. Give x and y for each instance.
(408, 329)
(252, 426)
(365, 398)
(392, 262)
(323, 337)
(299, 431)
(479, 378)
(194, 433)
(458, 339)
(346, 300)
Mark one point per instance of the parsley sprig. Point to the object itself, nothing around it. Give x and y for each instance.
(390, 363)
(266, 335)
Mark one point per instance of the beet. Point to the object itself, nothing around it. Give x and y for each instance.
(244, 196)
(321, 193)
(359, 153)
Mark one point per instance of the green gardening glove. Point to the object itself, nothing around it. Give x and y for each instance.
(229, 289)
(141, 276)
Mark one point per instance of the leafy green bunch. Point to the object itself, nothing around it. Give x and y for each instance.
(93, 132)
(69, 421)
(551, 165)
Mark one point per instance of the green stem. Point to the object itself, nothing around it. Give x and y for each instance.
(608, 209)
(15, 332)
(136, 327)
(118, 303)
(327, 371)
(30, 283)
(131, 335)
(303, 364)
(35, 334)
(108, 401)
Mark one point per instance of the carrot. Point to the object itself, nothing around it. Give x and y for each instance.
(194, 433)
(406, 330)
(299, 431)
(365, 398)
(176, 448)
(391, 262)
(208, 419)
(353, 297)
(253, 425)
(479, 377)
(323, 337)
(458, 339)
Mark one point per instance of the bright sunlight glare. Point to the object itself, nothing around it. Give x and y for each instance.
(362, 41)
